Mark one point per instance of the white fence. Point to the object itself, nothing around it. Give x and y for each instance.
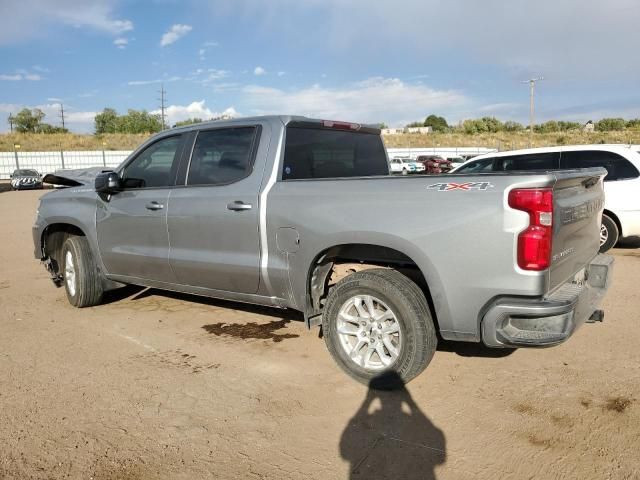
(49, 162)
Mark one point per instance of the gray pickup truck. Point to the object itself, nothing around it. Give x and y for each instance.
(298, 213)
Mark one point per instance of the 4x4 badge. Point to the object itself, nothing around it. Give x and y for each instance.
(446, 187)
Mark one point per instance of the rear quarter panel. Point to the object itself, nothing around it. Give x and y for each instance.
(467, 258)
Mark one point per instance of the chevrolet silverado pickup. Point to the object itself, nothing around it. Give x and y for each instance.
(297, 213)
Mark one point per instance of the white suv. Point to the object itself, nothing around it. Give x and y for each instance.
(621, 216)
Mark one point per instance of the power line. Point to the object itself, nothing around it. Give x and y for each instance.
(162, 108)
(532, 87)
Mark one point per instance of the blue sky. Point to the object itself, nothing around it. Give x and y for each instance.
(360, 60)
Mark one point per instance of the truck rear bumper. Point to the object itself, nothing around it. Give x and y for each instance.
(523, 322)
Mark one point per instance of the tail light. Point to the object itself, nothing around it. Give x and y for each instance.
(534, 243)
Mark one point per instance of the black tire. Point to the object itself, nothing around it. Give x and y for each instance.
(88, 285)
(410, 307)
(611, 232)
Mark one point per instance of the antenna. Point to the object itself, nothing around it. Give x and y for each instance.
(162, 108)
(532, 87)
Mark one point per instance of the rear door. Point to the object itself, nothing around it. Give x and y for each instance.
(131, 224)
(578, 200)
(213, 218)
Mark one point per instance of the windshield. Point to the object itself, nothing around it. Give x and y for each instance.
(485, 165)
(27, 173)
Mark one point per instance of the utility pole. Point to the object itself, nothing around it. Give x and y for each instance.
(11, 122)
(162, 100)
(532, 87)
(62, 114)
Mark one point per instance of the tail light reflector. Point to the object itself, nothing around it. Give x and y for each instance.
(534, 243)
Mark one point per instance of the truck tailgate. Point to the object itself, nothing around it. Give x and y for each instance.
(578, 197)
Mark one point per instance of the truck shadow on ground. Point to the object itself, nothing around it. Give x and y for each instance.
(389, 437)
(270, 330)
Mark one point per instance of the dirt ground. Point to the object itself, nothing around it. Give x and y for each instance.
(156, 385)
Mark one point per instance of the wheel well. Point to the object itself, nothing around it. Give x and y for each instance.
(615, 219)
(335, 263)
(53, 238)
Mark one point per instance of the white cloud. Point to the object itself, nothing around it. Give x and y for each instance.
(54, 99)
(27, 18)
(259, 71)
(39, 68)
(373, 100)
(157, 80)
(177, 113)
(21, 74)
(121, 42)
(281, 74)
(575, 40)
(176, 32)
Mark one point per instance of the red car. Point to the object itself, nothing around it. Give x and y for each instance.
(434, 163)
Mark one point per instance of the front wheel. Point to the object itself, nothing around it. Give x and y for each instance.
(608, 234)
(375, 322)
(80, 272)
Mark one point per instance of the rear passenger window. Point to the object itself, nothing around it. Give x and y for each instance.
(325, 153)
(530, 161)
(618, 167)
(221, 156)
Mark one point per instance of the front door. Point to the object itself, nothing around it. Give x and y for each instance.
(213, 219)
(132, 224)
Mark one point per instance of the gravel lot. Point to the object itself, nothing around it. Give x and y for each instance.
(157, 385)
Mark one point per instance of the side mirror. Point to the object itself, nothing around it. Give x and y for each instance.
(108, 183)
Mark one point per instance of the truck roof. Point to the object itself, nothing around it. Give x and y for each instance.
(284, 119)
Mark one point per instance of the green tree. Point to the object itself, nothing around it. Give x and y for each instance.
(27, 121)
(634, 123)
(106, 122)
(608, 124)
(414, 124)
(46, 128)
(438, 124)
(566, 126)
(511, 126)
(189, 121)
(139, 121)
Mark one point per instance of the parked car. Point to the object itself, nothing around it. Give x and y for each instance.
(434, 163)
(23, 179)
(298, 213)
(456, 161)
(404, 166)
(621, 217)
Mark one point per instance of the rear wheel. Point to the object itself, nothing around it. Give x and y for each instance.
(609, 234)
(80, 273)
(376, 322)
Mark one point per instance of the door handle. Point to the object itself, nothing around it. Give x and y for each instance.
(154, 206)
(238, 206)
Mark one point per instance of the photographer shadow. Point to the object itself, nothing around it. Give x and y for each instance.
(389, 437)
